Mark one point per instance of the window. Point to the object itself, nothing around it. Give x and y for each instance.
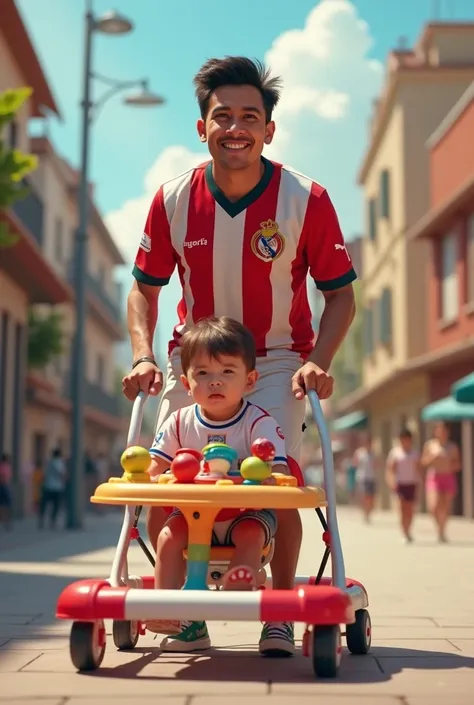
(100, 371)
(11, 136)
(470, 259)
(372, 216)
(368, 330)
(385, 321)
(58, 241)
(449, 278)
(385, 194)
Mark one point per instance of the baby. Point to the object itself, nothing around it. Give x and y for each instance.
(218, 361)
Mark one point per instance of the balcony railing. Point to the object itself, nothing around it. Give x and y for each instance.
(94, 285)
(98, 290)
(96, 397)
(30, 211)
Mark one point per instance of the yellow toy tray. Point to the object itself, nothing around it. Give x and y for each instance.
(228, 496)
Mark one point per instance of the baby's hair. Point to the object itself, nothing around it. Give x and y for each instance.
(218, 336)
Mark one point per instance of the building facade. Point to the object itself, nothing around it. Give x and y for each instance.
(448, 229)
(37, 273)
(421, 86)
(26, 277)
(57, 182)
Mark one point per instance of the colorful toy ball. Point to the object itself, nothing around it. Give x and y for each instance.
(185, 467)
(196, 453)
(254, 470)
(135, 459)
(263, 449)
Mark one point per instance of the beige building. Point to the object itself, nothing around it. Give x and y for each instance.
(50, 389)
(421, 86)
(35, 407)
(26, 277)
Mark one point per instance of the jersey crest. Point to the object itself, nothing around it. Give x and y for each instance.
(216, 438)
(268, 243)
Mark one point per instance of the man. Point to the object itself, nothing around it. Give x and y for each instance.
(244, 233)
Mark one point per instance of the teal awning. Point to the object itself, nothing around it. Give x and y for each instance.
(448, 409)
(463, 389)
(350, 422)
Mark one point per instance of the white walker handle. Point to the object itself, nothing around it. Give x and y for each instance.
(135, 427)
(119, 569)
(337, 559)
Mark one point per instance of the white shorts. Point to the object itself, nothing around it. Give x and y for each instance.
(272, 392)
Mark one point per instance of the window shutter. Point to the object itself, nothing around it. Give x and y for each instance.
(386, 317)
(372, 215)
(365, 330)
(385, 194)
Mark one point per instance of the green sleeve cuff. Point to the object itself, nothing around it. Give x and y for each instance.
(338, 283)
(148, 279)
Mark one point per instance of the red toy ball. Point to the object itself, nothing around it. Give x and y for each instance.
(185, 466)
(263, 449)
(195, 453)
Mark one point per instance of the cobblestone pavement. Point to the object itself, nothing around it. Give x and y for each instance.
(420, 600)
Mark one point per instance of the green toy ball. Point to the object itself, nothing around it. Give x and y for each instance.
(255, 470)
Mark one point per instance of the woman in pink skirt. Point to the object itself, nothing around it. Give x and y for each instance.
(442, 460)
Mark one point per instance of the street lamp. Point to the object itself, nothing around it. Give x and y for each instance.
(114, 24)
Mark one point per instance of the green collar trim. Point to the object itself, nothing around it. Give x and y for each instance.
(233, 208)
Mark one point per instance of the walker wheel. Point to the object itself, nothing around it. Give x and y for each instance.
(125, 634)
(87, 644)
(326, 652)
(359, 634)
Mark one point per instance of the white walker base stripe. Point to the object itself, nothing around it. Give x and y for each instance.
(192, 605)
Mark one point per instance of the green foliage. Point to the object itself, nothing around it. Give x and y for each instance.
(14, 165)
(45, 338)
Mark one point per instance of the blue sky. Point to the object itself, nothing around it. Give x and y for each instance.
(332, 69)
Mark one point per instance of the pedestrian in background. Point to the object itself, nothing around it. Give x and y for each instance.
(54, 485)
(365, 463)
(403, 473)
(5, 491)
(442, 460)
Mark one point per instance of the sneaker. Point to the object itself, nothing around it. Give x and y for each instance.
(277, 639)
(193, 637)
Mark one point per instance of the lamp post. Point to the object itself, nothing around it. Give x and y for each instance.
(111, 23)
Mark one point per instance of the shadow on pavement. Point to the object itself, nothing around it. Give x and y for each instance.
(242, 663)
(33, 575)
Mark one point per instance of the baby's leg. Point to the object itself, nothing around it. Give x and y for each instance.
(172, 541)
(169, 567)
(249, 534)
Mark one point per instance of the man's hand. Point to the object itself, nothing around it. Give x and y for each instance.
(310, 376)
(146, 377)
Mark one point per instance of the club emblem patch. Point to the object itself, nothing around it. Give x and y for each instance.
(216, 438)
(268, 243)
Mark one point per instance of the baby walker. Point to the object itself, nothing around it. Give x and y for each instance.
(201, 490)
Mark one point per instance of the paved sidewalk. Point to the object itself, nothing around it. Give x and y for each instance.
(421, 602)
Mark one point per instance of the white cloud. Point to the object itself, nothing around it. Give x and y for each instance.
(328, 85)
(126, 224)
(327, 77)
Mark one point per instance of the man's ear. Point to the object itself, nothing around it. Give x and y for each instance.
(201, 130)
(269, 132)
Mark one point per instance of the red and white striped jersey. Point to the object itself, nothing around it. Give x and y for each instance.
(247, 259)
(189, 428)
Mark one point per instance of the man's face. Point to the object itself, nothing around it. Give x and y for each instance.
(235, 127)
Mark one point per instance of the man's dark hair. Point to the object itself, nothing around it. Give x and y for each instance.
(405, 433)
(216, 337)
(236, 71)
